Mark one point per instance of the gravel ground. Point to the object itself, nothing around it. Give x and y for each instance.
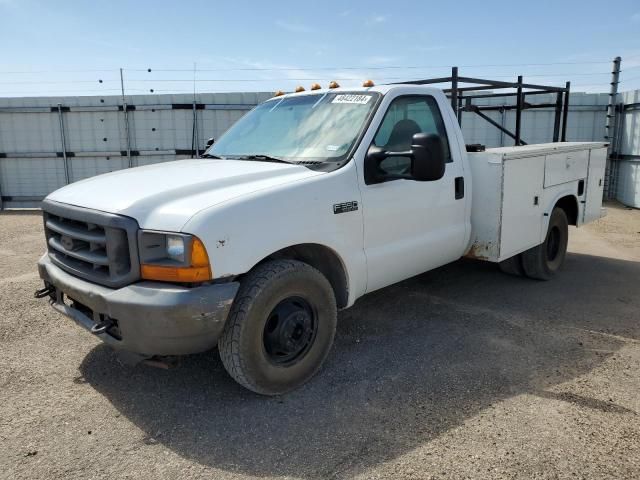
(462, 372)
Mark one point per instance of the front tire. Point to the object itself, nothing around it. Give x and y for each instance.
(280, 328)
(545, 260)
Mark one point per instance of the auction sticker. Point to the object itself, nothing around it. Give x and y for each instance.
(358, 99)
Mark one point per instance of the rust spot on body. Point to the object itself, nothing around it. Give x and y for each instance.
(478, 251)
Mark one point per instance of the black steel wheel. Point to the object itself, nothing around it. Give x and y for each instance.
(290, 331)
(280, 328)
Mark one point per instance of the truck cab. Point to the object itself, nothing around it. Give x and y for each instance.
(307, 203)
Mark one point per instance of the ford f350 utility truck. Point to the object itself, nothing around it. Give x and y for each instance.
(307, 203)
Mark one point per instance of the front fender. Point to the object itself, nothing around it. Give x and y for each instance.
(238, 234)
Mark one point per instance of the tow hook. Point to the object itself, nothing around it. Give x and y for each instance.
(102, 327)
(44, 292)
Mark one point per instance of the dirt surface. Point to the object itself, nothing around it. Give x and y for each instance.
(462, 372)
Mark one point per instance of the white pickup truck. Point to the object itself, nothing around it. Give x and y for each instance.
(307, 203)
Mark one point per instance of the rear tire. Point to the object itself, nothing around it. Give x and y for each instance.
(280, 328)
(545, 260)
(512, 266)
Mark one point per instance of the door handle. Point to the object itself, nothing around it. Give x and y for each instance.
(459, 187)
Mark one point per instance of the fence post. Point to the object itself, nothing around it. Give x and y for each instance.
(126, 119)
(194, 133)
(194, 139)
(610, 134)
(64, 145)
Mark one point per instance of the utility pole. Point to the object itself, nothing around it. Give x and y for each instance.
(610, 133)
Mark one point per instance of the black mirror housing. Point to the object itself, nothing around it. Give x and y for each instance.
(210, 142)
(429, 162)
(372, 160)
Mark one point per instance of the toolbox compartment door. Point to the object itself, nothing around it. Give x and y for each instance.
(521, 205)
(565, 167)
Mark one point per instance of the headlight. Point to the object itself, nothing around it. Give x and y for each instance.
(175, 248)
(173, 257)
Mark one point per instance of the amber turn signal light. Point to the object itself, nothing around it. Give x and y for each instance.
(199, 269)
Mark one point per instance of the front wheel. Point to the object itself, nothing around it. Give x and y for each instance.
(545, 260)
(280, 328)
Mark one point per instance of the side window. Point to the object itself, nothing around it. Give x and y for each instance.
(405, 117)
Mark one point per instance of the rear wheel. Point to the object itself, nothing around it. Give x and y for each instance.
(280, 327)
(545, 260)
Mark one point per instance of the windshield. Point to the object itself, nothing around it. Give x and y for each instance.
(307, 128)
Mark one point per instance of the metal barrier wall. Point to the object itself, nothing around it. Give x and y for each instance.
(626, 152)
(47, 142)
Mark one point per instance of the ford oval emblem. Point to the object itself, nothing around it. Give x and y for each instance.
(67, 242)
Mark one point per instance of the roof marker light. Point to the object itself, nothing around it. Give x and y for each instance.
(299, 89)
(279, 93)
(333, 84)
(368, 83)
(315, 86)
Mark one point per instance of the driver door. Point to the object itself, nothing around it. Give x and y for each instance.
(411, 226)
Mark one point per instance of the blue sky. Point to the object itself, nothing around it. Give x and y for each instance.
(67, 47)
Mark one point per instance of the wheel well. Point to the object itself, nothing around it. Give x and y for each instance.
(570, 206)
(323, 259)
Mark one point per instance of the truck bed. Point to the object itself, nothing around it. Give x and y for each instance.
(515, 188)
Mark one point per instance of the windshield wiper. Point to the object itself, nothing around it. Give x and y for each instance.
(263, 158)
(208, 155)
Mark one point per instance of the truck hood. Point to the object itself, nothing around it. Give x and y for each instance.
(165, 196)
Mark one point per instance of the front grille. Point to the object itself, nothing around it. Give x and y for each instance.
(97, 246)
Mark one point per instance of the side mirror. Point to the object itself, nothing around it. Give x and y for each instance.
(210, 142)
(428, 160)
(429, 163)
(373, 158)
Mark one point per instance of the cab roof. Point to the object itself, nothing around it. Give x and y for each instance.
(382, 89)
